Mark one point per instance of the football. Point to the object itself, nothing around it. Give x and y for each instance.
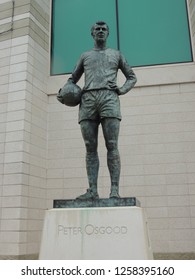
(69, 94)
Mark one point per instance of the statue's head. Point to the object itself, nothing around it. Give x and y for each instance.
(100, 30)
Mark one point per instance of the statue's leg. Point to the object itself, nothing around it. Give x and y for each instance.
(89, 131)
(110, 128)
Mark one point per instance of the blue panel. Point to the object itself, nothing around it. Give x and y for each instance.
(149, 32)
(154, 31)
(71, 24)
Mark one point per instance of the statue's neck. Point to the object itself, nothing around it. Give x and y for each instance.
(100, 45)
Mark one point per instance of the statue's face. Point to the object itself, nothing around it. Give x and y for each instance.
(100, 32)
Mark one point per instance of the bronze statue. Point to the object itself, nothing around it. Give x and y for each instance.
(100, 105)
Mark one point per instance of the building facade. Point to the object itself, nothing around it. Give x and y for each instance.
(42, 154)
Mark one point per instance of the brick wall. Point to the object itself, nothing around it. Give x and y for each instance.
(24, 70)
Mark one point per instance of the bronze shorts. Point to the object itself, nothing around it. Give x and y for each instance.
(99, 104)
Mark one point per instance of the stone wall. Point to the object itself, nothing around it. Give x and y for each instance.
(23, 81)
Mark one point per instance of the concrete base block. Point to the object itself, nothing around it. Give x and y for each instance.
(104, 233)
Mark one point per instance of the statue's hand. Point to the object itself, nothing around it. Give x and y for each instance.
(118, 91)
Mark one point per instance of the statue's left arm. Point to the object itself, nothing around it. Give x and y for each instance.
(129, 74)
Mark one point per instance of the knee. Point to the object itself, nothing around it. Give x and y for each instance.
(91, 146)
(112, 145)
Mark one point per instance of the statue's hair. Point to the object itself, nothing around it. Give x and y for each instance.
(99, 23)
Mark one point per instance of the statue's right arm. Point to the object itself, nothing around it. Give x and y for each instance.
(77, 72)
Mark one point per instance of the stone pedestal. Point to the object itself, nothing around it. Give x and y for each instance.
(104, 233)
